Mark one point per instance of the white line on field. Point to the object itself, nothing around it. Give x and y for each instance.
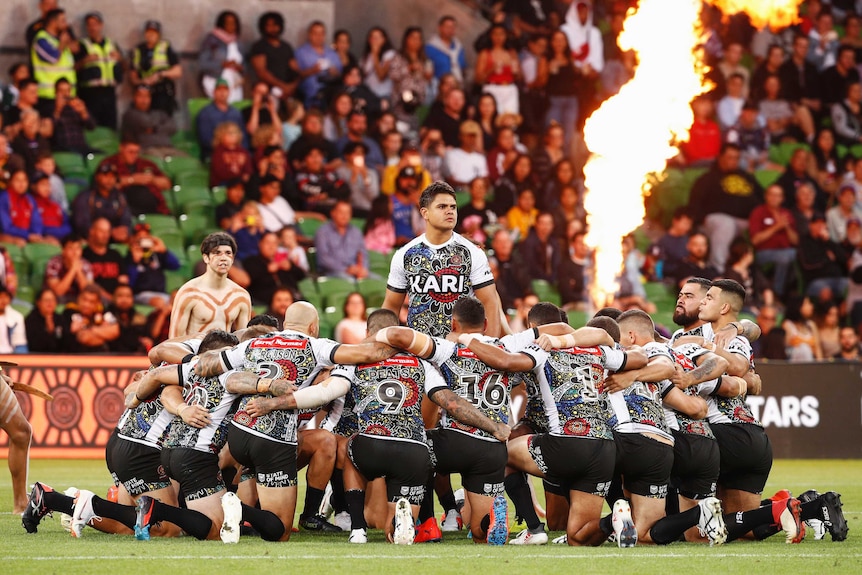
(555, 557)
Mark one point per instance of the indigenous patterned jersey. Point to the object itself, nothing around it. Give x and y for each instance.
(733, 409)
(472, 379)
(534, 414)
(704, 331)
(145, 423)
(388, 395)
(340, 418)
(686, 357)
(285, 354)
(211, 394)
(435, 277)
(571, 383)
(638, 408)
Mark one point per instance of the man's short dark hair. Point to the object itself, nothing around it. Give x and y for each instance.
(469, 312)
(610, 312)
(52, 15)
(263, 319)
(266, 16)
(607, 324)
(215, 240)
(222, 18)
(734, 289)
(216, 339)
(445, 18)
(380, 318)
(71, 239)
(60, 82)
(844, 48)
(543, 313)
(728, 146)
(702, 282)
(638, 317)
(316, 23)
(434, 190)
(24, 83)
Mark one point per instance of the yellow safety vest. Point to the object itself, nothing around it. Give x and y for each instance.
(47, 74)
(158, 63)
(105, 64)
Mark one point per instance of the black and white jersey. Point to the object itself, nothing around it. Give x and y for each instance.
(286, 354)
(435, 276)
(733, 409)
(705, 331)
(638, 408)
(686, 357)
(211, 394)
(534, 414)
(145, 423)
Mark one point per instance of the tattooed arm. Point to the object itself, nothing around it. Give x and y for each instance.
(462, 410)
(709, 367)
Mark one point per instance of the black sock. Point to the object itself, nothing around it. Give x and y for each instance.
(811, 509)
(313, 499)
(761, 532)
(426, 508)
(738, 524)
(61, 502)
(668, 529)
(192, 522)
(447, 500)
(671, 502)
(228, 474)
(606, 525)
(356, 506)
(266, 523)
(125, 514)
(339, 503)
(519, 493)
(615, 491)
(485, 523)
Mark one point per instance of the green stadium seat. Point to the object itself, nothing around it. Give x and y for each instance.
(13, 249)
(185, 195)
(175, 242)
(40, 252)
(195, 105)
(100, 135)
(193, 224)
(308, 289)
(373, 290)
(767, 177)
(242, 104)
(379, 263)
(546, 291)
(334, 290)
(308, 226)
(193, 149)
(25, 293)
(123, 249)
(71, 165)
(200, 179)
(177, 165)
(92, 162)
(577, 318)
(219, 195)
(781, 153)
(159, 223)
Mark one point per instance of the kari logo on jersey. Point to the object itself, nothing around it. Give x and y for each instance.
(445, 284)
(279, 342)
(785, 411)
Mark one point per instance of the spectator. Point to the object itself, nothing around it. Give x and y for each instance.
(433, 153)
(282, 298)
(771, 343)
(521, 217)
(391, 146)
(520, 322)
(835, 79)
(146, 263)
(540, 250)
(51, 57)
(44, 325)
(55, 222)
(797, 174)
(619, 64)
(411, 74)
(504, 152)
(549, 153)
(672, 248)
(783, 119)
(446, 52)
(9, 94)
(364, 183)
(86, 327)
(340, 246)
(508, 188)
(773, 234)
(363, 98)
(510, 273)
(45, 163)
(379, 227)
(263, 111)
(270, 270)
(823, 49)
(357, 126)
(351, 328)
(409, 156)
(318, 187)
(463, 164)
(221, 58)
(335, 120)
(771, 66)
(823, 263)
(498, 70)
(825, 165)
(100, 71)
(449, 118)
(827, 320)
(562, 86)
(849, 345)
(229, 159)
(68, 273)
(30, 144)
(800, 81)
(8, 277)
(274, 209)
(341, 43)
(288, 244)
(803, 210)
(150, 127)
(846, 210)
(28, 99)
(156, 65)
(214, 114)
(731, 65)
(478, 208)
(234, 200)
(20, 219)
(534, 67)
(105, 262)
(291, 128)
(376, 62)
(486, 116)
(569, 213)
(247, 228)
(730, 106)
(722, 199)
(9, 163)
(740, 269)
(696, 261)
(585, 40)
(71, 120)
(103, 200)
(801, 338)
(312, 136)
(13, 332)
(847, 115)
(318, 65)
(273, 162)
(141, 181)
(704, 142)
(573, 273)
(272, 59)
(133, 337)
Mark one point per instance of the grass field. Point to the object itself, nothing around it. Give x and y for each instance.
(52, 550)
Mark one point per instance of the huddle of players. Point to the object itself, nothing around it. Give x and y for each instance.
(583, 427)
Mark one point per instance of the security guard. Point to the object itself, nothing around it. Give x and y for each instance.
(51, 59)
(155, 64)
(100, 71)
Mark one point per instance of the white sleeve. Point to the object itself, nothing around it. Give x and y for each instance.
(324, 351)
(433, 379)
(480, 271)
(615, 359)
(655, 349)
(740, 346)
(536, 353)
(518, 341)
(234, 358)
(193, 345)
(443, 350)
(397, 281)
(345, 371)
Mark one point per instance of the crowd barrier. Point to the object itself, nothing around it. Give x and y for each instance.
(810, 410)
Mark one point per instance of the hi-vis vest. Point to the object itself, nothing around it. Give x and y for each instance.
(105, 64)
(158, 63)
(47, 74)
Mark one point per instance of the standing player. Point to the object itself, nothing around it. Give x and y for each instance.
(438, 267)
(13, 422)
(211, 301)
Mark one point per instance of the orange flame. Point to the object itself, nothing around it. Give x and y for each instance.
(630, 136)
(773, 13)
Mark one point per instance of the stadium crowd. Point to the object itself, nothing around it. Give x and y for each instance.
(313, 157)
